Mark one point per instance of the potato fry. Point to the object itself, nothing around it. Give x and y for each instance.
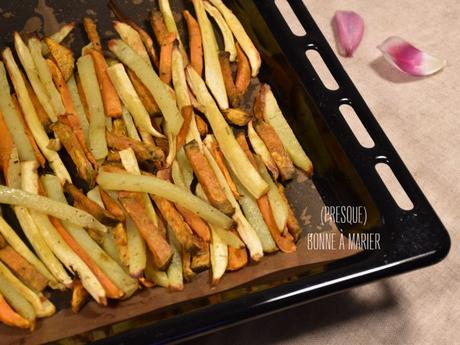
(201, 126)
(131, 38)
(275, 146)
(240, 35)
(131, 100)
(144, 152)
(97, 140)
(274, 116)
(137, 252)
(68, 138)
(174, 271)
(292, 223)
(159, 27)
(237, 117)
(79, 296)
(233, 153)
(150, 79)
(112, 206)
(112, 104)
(121, 240)
(229, 42)
(195, 46)
(63, 57)
(17, 301)
(23, 269)
(134, 206)
(9, 317)
(91, 32)
(260, 149)
(259, 103)
(213, 72)
(201, 259)
(219, 257)
(234, 96)
(79, 108)
(207, 178)
(58, 36)
(6, 147)
(186, 258)
(243, 72)
(215, 151)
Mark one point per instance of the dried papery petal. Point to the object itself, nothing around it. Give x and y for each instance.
(349, 30)
(409, 59)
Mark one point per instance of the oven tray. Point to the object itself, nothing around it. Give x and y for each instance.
(345, 175)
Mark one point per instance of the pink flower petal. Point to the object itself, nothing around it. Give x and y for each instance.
(349, 27)
(408, 58)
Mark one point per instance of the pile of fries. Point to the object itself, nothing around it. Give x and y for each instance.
(126, 168)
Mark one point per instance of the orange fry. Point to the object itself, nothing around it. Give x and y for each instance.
(243, 71)
(195, 44)
(187, 114)
(9, 317)
(112, 206)
(232, 92)
(195, 222)
(144, 94)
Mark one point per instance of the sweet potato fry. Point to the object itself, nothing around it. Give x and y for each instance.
(38, 155)
(166, 58)
(79, 296)
(243, 71)
(262, 151)
(112, 104)
(202, 126)
(197, 224)
(82, 95)
(110, 288)
(23, 269)
(237, 117)
(233, 94)
(119, 127)
(91, 32)
(121, 240)
(63, 57)
(41, 113)
(259, 103)
(144, 151)
(9, 317)
(6, 147)
(292, 223)
(195, 45)
(276, 148)
(241, 138)
(112, 206)
(133, 203)
(207, 178)
(201, 260)
(237, 257)
(187, 114)
(90, 206)
(188, 273)
(144, 94)
(158, 27)
(76, 152)
(213, 147)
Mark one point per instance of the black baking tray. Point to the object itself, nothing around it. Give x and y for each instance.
(345, 174)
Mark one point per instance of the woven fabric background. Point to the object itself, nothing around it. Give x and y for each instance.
(421, 116)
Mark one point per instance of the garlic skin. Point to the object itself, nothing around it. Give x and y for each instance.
(349, 30)
(409, 59)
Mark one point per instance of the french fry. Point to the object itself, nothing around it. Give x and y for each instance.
(84, 102)
(42, 306)
(241, 36)
(207, 178)
(237, 258)
(78, 106)
(79, 296)
(17, 301)
(186, 258)
(260, 149)
(23, 269)
(292, 223)
(274, 116)
(275, 146)
(32, 73)
(112, 206)
(144, 152)
(259, 103)
(63, 57)
(164, 189)
(213, 73)
(12, 119)
(219, 257)
(76, 152)
(215, 151)
(229, 42)
(201, 126)
(129, 123)
(134, 206)
(31, 117)
(159, 27)
(121, 240)
(165, 58)
(150, 79)
(237, 117)
(112, 104)
(201, 259)
(131, 38)
(243, 72)
(233, 95)
(97, 140)
(233, 153)
(119, 127)
(170, 23)
(91, 32)
(187, 113)
(154, 275)
(102, 215)
(6, 147)
(9, 317)
(195, 46)
(58, 36)
(131, 100)
(175, 274)
(137, 252)
(144, 94)
(35, 48)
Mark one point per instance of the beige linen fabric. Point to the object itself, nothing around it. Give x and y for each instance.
(421, 116)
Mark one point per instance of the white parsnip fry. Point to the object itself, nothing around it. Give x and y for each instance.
(78, 105)
(229, 42)
(132, 38)
(32, 120)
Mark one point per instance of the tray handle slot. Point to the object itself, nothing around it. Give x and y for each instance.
(393, 186)
(294, 23)
(356, 126)
(321, 69)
